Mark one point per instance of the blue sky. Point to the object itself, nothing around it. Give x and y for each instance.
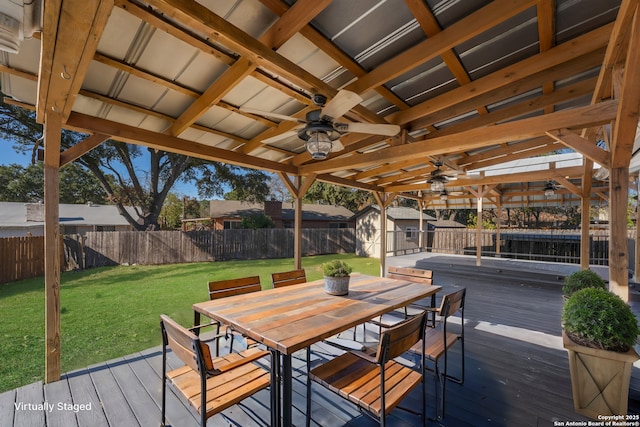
(9, 156)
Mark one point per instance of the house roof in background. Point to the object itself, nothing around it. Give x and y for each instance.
(446, 223)
(14, 214)
(316, 212)
(310, 211)
(398, 213)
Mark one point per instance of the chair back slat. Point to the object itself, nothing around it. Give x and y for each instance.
(452, 303)
(287, 278)
(230, 287)
(186, 345)
(411, 274)
(400, 338)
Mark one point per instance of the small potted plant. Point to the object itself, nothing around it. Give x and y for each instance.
(599, 331)
(336, 277)
(581, 279)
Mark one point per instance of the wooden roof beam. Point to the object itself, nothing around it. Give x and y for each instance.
(532, 127)
(626, 124)
(192, 14)
(72, 31)
(577, 47)
(582, 146)
(280, 8)
(218, 89)
(465, 29)
(511, 88)
(292, 21)
(138, 136)
(542, 175)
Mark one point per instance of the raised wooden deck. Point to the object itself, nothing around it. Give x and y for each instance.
(516, 375)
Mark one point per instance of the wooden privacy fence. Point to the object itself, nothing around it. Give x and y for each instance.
(21, 258)
(96, 249)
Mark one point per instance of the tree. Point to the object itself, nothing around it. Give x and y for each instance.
(258, 220)
(336, 195)
(26, 184)
(116, 166)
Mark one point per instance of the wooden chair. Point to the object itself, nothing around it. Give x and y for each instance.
(439, 340)
(409, 274)
(227, 288)
(416, 275)
(219, 383)
(287, 278)
(374, 381)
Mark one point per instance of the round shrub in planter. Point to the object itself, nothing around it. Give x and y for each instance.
(598, 318)
(599, 332)
(580, 280)
(336, 277)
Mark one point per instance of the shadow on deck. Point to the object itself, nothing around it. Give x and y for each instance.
(516, 373)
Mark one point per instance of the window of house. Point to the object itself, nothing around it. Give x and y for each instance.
(106, 228)
(287, 224)
(338, 225)
(411, 232)
(232, 225)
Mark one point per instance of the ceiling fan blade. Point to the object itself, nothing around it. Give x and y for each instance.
(344, 101)
(372, 128)
(270, 114)
(280, 137)
(337, 146)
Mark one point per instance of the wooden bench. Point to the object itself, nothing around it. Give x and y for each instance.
(287, 278)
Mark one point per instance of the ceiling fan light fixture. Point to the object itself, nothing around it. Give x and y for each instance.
(437, 186)
(548, 192)
(319, 145)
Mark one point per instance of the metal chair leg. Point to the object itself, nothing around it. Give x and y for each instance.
(308, 414)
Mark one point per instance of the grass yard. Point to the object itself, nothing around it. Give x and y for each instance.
(113, 311)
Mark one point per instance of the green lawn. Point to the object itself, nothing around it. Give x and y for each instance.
(113, 311)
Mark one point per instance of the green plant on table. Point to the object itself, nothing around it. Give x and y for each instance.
(580, 280)
(597, 318)
(336, 268)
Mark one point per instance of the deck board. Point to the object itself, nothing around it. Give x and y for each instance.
(60, 393)
(516, 374)
(7, 408)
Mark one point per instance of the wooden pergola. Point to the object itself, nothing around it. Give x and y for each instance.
(470, 84)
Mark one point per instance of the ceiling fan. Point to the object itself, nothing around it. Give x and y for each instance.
(319, 129)
(550, 188)
(438, 178)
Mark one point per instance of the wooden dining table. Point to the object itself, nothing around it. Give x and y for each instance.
(294, 317)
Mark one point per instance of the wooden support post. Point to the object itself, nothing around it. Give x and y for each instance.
(52, 135)
(298, 188)
(479, 226)
(498, 224)
(636, 260)
(585, 215)
(618, 247)
(585, 236)
(420, 226)
(383, 199)
(297, 227)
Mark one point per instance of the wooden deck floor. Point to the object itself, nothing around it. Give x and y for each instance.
(516, 375)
